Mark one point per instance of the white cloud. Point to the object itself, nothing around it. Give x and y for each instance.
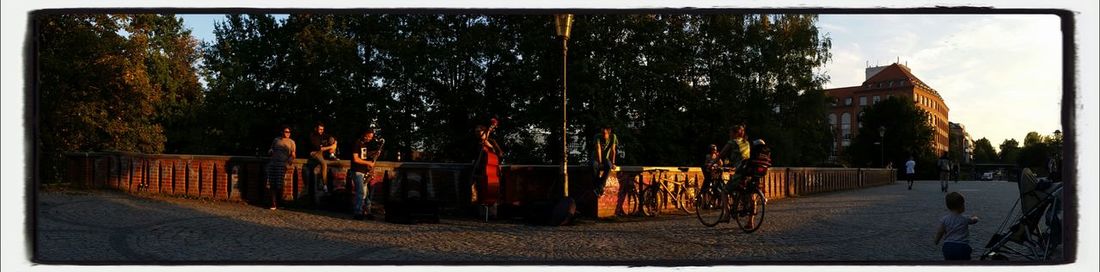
(1000, 75)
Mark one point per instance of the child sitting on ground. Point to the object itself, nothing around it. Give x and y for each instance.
(954, 229)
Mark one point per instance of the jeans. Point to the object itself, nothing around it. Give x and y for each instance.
(316, 159)
(601, 175)
(956, 251)
(362, 193)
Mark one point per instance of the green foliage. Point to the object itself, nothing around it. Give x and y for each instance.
(1010, 150)
(112, 82)
(984, 152)
(907, 133)
(1037, 151)
(668, 84)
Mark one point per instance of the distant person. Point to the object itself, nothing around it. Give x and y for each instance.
(605, 150)
(322, 149)
(367, 149)
(1054, 167)
(955, 172)
(282, 156)
(954, 229)
(910, 171)
(945, 171)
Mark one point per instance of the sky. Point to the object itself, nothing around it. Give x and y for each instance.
(1000, 75)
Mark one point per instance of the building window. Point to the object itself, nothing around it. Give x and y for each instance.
(863, 101)
(891, 84)
(832, 121)
(847, 101)
(859, 119)
(846, 126)
(875, 100)
(916, 98)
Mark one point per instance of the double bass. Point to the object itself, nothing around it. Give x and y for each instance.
(488, 184)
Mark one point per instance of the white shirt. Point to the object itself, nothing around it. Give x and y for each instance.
(909, 166)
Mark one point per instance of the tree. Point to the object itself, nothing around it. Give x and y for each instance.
(1038, 150)
(1010, 150)
(112, 83)
(429, 79)
(984, 152)
(907, 134)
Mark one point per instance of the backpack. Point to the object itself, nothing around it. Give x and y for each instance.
(760, 159)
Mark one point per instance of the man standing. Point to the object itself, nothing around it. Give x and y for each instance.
(910, 170)
(322, 146)
(945, 171)
(366, 154)
(603, 162)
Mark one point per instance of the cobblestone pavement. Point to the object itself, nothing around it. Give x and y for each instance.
(880, 224)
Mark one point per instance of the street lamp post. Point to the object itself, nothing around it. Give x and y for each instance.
(563, 24)
(882, 147)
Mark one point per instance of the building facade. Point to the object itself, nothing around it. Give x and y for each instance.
(962, 146)
(883, 82)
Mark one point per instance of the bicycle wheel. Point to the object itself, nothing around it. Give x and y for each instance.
(710, 206)
(748, 210)
(687, 199)
(650, 202)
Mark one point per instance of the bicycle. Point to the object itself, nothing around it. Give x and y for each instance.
(746, 203)
(666, 189)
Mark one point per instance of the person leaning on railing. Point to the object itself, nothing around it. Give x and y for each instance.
(282, 155)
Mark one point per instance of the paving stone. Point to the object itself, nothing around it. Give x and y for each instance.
(879, 224)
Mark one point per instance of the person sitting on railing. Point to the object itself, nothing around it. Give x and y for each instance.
(603, 158)
(322, 149)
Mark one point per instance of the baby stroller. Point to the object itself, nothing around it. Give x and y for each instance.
(1033, 232)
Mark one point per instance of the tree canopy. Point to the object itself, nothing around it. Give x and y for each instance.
(668, 84)
(907, 133)
(113, 83)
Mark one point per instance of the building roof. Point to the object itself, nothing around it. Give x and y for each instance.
(898, 71)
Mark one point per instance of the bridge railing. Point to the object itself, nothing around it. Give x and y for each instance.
(242, 178)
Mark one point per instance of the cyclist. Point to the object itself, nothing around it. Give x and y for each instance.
(735, 152)
(712, 166)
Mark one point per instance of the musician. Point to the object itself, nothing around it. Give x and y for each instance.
(489, 153)
(322, 148)
(367, 150)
